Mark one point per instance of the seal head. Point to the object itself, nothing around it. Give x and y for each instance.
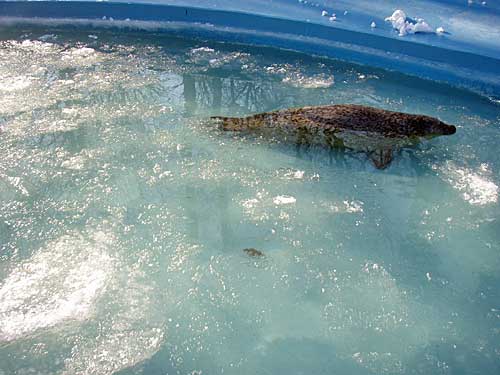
(425, 126)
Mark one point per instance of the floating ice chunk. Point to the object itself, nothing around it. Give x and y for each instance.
(202, 49)
(373, 25)
(421, 27)
(298, 175)
(405, 26)
(440, 30)
(92, 36)
(284, 199)
(345, 13)
(294, 175)
(353, 206)
(398, 21)
(324, 13)
(47, 37)
(333, 18)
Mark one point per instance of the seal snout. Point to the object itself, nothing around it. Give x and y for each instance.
(438, 127)
(448, 129)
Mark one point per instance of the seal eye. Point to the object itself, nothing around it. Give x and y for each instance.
(448, 129)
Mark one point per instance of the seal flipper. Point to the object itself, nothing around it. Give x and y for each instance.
(231, 123)
(382, 158)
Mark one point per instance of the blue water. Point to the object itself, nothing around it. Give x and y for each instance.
(124, 215)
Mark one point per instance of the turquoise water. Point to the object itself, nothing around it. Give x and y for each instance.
(124, 213)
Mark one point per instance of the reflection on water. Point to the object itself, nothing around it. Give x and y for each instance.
(124, 215)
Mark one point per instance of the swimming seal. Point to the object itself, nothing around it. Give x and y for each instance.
(376, 131)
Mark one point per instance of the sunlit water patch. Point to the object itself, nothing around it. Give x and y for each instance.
(60, 282)
(124, 214)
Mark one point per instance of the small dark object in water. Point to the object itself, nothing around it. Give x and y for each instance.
(375, 131)
(253, 252)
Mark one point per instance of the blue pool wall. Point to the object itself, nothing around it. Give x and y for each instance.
(453, 61)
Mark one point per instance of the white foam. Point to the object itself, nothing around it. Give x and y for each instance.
(59, 283)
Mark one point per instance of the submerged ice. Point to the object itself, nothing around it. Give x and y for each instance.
(124, 213)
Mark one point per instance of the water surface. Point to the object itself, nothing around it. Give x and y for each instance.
(124, 213)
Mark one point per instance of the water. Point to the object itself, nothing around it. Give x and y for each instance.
(123, 216)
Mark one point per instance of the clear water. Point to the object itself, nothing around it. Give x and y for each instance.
(123, 216)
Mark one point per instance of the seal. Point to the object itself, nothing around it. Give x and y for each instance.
(376, 131)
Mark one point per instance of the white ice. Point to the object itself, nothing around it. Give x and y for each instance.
(400, 22)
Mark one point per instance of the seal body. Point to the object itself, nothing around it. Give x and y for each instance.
(351, 126)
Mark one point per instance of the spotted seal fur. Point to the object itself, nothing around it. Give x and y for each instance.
(376, 131)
